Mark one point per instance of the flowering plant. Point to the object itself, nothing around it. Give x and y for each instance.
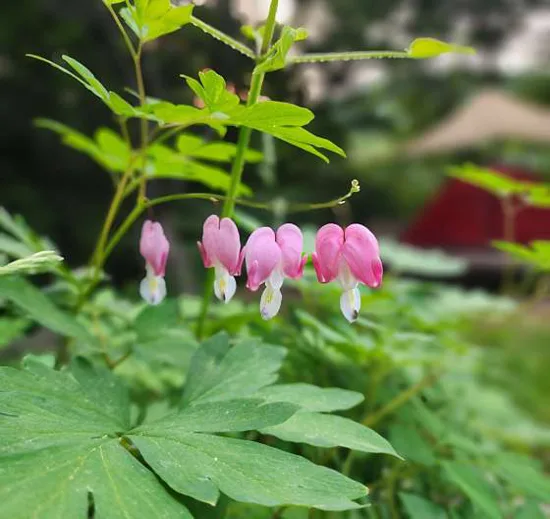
(110, 428)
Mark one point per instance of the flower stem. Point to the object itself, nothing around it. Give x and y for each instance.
(347, 56)
(238, 163)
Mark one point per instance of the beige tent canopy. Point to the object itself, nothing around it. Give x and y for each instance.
(487, 116)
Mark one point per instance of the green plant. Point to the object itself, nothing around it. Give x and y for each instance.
(138, 416)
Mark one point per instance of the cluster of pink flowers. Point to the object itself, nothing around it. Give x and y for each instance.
(351, 256)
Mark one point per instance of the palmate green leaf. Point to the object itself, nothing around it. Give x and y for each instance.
(38, 307)
(75, 425)
(59, 444)
(325, 430)
(419, 508)
(151, 19)
(472, 483)
(221, 372)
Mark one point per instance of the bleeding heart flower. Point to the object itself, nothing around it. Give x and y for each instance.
(154, 248)
(352, 256)
(270, 257)
(221, 249)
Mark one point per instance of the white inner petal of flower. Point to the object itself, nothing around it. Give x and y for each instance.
(270, 302)
(225, 284)
(350, 304)
(346, 279)
(275, 280)
(152, 288)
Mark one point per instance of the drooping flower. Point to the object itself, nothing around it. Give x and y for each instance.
(270, 257)
(154, 248)
(221, 248)
(351, 256)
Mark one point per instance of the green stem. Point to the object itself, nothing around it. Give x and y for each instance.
(346, 56)
(144, 125)
(125, 36)
(242, 145)
(224, 38)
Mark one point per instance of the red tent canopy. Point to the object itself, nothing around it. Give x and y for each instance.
(463, 215)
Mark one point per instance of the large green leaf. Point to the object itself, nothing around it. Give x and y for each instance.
(221, 372)
(75, 426)
(472, 483)
(419, 508)
(39, 307)
(324, 430)
(202, 465)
